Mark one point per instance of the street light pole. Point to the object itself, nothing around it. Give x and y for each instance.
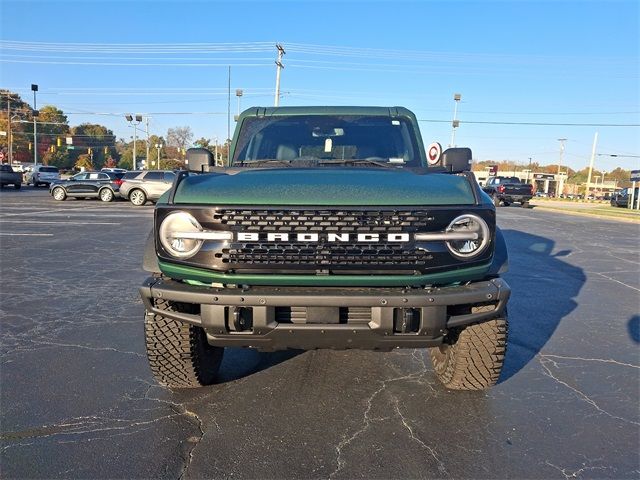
(138, 120)
(455, 124)
(34, 88)
(159, 146)
(239, 94)
(593, 157)
(561, 140)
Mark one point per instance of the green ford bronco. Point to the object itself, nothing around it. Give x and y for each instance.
(332, 227)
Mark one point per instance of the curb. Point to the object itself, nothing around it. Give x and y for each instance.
(588, 214)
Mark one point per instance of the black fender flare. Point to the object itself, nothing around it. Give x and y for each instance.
(150, 259)
(500, 262)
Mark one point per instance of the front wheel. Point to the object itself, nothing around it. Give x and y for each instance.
(106, 195)
(59, 194)
(474, 359)
(178, 353)
(138, 198)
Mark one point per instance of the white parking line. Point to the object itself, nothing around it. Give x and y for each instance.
(38, 222)
(26, 234)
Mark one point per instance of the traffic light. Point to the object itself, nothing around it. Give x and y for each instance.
(30, 146)
(52, 148)
(89, 151)
(106, 150)
(59, 142)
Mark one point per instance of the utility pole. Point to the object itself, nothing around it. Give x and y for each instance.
(9, 128)
(147, 125)
(561, 140)
(593, 157)
(455, 124)
(279, 66)
(34, 88)
(229, 105)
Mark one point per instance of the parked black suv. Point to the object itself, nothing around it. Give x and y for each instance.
(104, 185)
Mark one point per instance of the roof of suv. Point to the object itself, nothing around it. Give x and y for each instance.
(314, 110)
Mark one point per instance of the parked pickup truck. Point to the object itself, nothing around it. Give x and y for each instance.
(9, 177)
(508, 190)
(329, 229)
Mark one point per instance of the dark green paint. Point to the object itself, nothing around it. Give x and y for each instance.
(325, 186)
(208, 277)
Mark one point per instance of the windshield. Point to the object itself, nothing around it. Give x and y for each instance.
(327, 140)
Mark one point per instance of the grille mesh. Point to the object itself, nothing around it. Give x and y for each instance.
(324, 254)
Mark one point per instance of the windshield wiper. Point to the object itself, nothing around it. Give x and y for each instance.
(354, 161)
(263, 161)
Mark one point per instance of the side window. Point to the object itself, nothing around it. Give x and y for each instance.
(94, 176)
(496, 181)
(80, 176)
(169, 176)
(130, 175)
(104, 177)
(154, 176)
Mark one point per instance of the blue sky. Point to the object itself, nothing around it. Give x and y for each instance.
(543, 62)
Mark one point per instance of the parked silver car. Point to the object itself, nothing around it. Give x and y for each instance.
(140, 186)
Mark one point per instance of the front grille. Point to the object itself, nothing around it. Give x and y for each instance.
(323, 254)
(361, 221)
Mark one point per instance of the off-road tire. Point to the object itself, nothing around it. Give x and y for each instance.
(178, 353)
(475, 360)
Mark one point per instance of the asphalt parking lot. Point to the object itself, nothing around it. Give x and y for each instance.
(78, 400)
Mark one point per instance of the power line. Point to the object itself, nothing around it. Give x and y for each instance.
(543, 124)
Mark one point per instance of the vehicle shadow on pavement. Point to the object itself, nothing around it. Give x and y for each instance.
(242, 362)
(634, 328)
(544, 289)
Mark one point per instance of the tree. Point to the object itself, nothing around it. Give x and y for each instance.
(84, 161)
(58, 158)
(179, 137)
(96, 137)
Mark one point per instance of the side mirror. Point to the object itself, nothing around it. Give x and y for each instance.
(457, 160)
(199, 160)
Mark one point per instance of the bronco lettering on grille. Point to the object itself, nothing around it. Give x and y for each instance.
(317, 237)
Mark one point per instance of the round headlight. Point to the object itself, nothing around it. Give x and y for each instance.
(478, 240)
(172, 235)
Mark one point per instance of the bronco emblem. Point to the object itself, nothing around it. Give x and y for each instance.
(328, 237)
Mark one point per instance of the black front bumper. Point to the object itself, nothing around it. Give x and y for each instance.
(324, 320)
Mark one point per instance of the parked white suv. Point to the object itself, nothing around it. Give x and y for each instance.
(42, 175)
